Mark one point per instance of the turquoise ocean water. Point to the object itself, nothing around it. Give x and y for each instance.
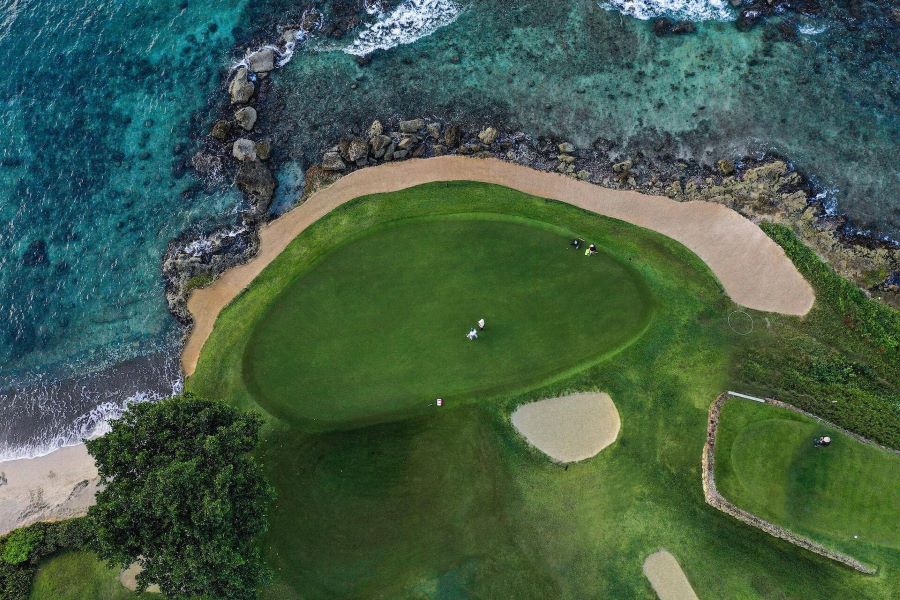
(102, 102)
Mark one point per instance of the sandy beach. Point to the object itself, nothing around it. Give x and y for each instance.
(753, 270)
(57, 486)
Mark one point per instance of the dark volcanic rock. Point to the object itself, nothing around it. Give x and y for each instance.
(221, 131)
(332, 162)
(451, 136)
(241, 88)
(208, 165)
(256, 182)
(665, 26)
(747, 19)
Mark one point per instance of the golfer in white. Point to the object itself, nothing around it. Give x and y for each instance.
(481, 324)
(473, 335)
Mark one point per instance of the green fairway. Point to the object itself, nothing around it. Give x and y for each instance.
(392, 310)
(80, 576)
(364, 315)
(846, 495)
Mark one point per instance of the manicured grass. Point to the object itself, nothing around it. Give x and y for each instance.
(844, 495)
(451, 503)
(391, 311)
(80, 576)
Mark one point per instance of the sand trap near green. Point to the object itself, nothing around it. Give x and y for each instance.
(569, 428)
(377, 327)
(668, 580)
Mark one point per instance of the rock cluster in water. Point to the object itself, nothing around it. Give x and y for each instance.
(232, 150)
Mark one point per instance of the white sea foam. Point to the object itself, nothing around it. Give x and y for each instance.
(374, 7)
(92, 424)
(291, 40)
(408, 22)
(811, 29)
(828, 199)
(205, 244)
(688, 10)
(9, 12)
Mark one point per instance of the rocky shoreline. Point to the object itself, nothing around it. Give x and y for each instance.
(242, 147)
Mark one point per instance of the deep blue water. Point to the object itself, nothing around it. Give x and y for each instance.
(100, 100)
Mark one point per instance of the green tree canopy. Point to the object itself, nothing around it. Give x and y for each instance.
(183, 497)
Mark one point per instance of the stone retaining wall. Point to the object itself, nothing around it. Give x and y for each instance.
(716, 500)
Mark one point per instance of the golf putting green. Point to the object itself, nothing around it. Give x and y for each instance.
(845, 495)
(378, 326)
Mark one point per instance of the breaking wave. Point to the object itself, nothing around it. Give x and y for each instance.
(686, 10)
(408, 22)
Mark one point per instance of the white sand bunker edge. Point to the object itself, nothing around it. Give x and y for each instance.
(668, 580)
(569, 428)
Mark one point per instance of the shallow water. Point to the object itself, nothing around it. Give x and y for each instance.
(97, 100)
(100, 101)
(578, 71)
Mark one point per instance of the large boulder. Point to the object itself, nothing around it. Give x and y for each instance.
(411, 126)
(244, 149)
(221, 130)
(566, 147)
(375, 129)
(407, 142)
(378, 144)
(332, 161)
(256, 182)
(263, 150)
(241, 88)
(262, 61)
(725, 166)
(246, 117)
(488, 135)
(357, 148)
(452, 136)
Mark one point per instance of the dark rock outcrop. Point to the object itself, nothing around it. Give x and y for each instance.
(241, 88)
(246, 117)
(665, 26)
(262, 61)
(256, 182)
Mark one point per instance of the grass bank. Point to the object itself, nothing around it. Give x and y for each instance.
(451, 503)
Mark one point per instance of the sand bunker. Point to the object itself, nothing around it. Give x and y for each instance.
(57, 486)
(753, 269)
(668, 580)
(569, 428)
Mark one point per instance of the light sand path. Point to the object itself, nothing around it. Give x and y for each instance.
(57, 486)
(752, 268)
(569, 428)
(668, 580)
